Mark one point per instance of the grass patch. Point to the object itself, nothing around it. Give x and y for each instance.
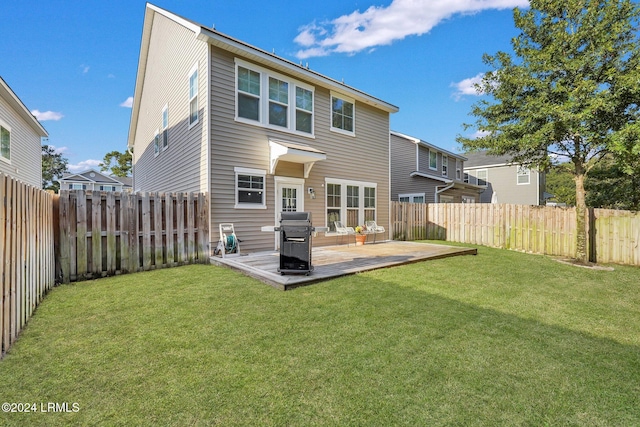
(501, 338)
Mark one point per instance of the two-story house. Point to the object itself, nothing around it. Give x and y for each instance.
(258, 133)
(504, 182)
(424, 173)
(20, 139)
(94, 180)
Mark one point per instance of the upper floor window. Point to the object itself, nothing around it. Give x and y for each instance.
(342, 114)
(288, 103)
(165, 127)
(465, 178)
(458, 169)
(156, 143)
(523, 175)
(433, 160)
(193, 96)
(5, 142)
(445, 166)
(482, 176)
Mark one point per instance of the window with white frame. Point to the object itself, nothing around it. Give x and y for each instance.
(250, 188)
(350, 202)
(193, 95)
(433, 160)
(468, 199)
(156, 143)
(445, 165)
(465, 177)
(165, 127)
(482, 176)
(288, 103)
(107, 188)
(523, 175)
(5, 142)
(458, 169)
(77, 187)
(411, 198)
(342, 114)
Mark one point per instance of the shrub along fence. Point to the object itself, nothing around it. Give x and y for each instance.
(614, 236)
(26, 254)
(105, 233)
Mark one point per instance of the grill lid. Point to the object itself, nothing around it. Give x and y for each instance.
(298, 217)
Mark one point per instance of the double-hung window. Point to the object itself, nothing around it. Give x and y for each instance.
(165, 127)
(482, 176)
(351, 202)
(193, 95)
(433, 160)
(5, 142)
(342, 114)
(523, 175)
(411, 198)
(445, 165)
(250, 188)
(156, 143)
(268, 99)
(458, 169)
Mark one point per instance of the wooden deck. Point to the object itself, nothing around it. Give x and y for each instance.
(335, 261)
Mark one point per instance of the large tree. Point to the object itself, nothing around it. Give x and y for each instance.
(53, 166)
(117, 163)
(569, 91)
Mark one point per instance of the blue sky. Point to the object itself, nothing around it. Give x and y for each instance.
(73, 63)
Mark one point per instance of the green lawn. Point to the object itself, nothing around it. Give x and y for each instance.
(501, 338)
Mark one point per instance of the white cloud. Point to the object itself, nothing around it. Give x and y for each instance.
(378, 25)
(85, 68)
(42, 116)
(60, 150)
(467, 87)
(480, 134)
(84, 165)
(128, 103)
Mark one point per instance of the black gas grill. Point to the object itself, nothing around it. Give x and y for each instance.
(295, 242)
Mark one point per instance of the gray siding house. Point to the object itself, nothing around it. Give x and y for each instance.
(503, 181)
(20, 139)
(258, 133)
(94, 180)
(424, 173)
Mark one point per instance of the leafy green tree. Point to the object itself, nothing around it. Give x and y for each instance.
(117, 163)
(53, 166)
(559, 182)
(609, 186)
(571, 89)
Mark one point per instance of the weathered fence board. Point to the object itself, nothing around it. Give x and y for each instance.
(26, 254)
(615, 235)
(106, 233)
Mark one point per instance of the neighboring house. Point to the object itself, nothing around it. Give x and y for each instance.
(504, 181)
(94, 180)
(20, 139)
(424, 173)
(258, 133)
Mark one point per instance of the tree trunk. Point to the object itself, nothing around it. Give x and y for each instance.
(582, 253)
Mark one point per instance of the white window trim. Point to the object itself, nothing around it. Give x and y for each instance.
(445, 165)
(263, 105)
(255, 172)
(458, 169)
(433, 168)
(486, 179)
(412, 196)
(194, 69)
(468, 199)
(347, 99)
(343, 199)
(518, 175)
(165, 128)
(8, 128)
(156, 143)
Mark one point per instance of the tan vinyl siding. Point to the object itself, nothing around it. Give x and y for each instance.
(234, 144)
(403, 162)
(173, 51)
(26, 149)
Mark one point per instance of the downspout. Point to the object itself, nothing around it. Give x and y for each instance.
(442, 191)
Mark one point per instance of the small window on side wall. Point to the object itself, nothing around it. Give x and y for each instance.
(5, 142)
(250, 188)
(193, 95)
(342, 114)
(165, 127)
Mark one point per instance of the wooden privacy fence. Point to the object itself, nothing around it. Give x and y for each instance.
(106, 233)
(614, 236)
(26, 254)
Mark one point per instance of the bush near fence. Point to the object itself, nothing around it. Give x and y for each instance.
(107, 233)
(26, 254)
(614, 236)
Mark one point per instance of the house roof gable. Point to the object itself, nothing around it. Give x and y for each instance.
(428, 145)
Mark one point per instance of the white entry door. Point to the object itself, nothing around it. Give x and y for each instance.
(289, 198)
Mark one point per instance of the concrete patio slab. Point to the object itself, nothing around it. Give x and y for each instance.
(335, 261)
